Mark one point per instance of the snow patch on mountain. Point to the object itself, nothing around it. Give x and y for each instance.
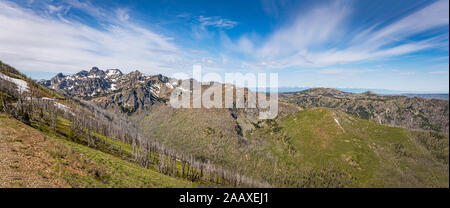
(113, 72)
(113, 87)
(22, 86)
(169, 85)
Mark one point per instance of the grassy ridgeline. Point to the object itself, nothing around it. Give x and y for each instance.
(313, 148)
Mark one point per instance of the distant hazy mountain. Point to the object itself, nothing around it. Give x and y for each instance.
(429, 95)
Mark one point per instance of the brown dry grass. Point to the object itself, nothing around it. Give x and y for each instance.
(29, 159)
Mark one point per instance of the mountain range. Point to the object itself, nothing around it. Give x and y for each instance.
(128, 93)
(114, 90)
(124, 130)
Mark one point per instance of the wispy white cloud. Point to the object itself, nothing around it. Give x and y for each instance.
(359, 53)
(434, 15)
(273, 7)
(217, 22)
(320, 38)
(317, 26)
(207, 28)
(439, 72)
(36, 42)
(87, 7)
(243, 45)
(122, 14)
(53, 9)
(403, 72)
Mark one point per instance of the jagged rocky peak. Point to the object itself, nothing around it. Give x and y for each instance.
(60, 75)
(56, 79)
(82, 73)
(96, 73)
(135, 73)
(162, 78)
(114, 90)
(95, 69)
(134, 76)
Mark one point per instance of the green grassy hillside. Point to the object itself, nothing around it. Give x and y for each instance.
(307, 149)
(32, 158)
(365, 153)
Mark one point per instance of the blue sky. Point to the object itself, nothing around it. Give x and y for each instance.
(397, 45)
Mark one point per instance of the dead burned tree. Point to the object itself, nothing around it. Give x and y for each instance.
(4, 106)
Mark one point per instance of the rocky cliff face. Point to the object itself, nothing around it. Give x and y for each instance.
(114, 90)
(412, 113)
